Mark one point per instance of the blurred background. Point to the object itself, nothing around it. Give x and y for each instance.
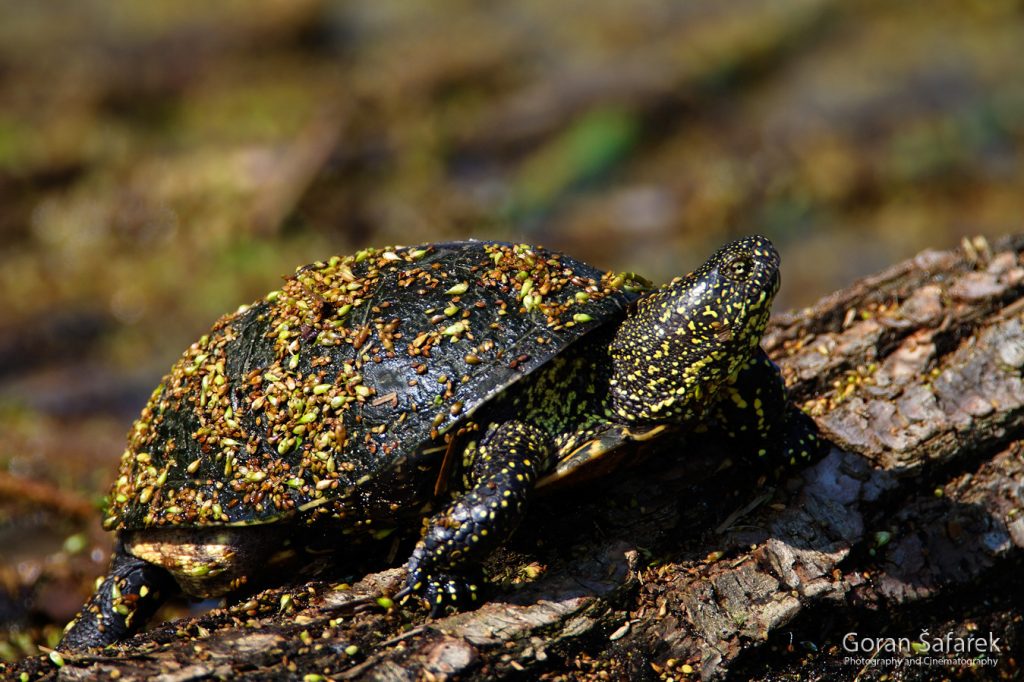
(162, 162)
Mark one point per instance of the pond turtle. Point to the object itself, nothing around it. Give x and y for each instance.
(424, 386)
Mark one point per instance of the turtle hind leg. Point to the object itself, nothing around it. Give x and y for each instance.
(445, 566)
(126, 598)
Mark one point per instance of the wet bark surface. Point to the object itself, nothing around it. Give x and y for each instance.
(696, 564)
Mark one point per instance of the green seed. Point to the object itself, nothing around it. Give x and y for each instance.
(459, 288)
(57, 659)
(581, 317)
(457, 328)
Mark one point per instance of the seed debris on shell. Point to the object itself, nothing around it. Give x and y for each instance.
(290, 404)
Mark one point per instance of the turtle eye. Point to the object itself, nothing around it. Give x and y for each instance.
(739, 268)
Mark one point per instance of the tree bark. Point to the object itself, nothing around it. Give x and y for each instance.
(694, 564)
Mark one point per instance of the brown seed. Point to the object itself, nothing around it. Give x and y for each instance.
(361, 337)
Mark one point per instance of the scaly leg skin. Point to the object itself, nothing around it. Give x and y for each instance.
(444, 567)
(755, 411)
(126, 598)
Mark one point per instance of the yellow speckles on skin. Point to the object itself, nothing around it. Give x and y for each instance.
(708, 323)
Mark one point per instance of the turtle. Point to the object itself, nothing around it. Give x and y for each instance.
(428, 388)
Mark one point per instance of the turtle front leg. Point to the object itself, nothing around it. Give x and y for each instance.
(126, 598)
(444, 567)
(755, 410)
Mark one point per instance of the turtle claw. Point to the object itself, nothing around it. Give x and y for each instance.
(444, 591)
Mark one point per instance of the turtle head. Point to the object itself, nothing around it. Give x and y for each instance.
(685, 339)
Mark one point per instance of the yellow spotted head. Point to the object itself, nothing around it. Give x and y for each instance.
(688, 337)
(731, 295)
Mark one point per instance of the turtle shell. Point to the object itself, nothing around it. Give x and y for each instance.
(337, 395)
